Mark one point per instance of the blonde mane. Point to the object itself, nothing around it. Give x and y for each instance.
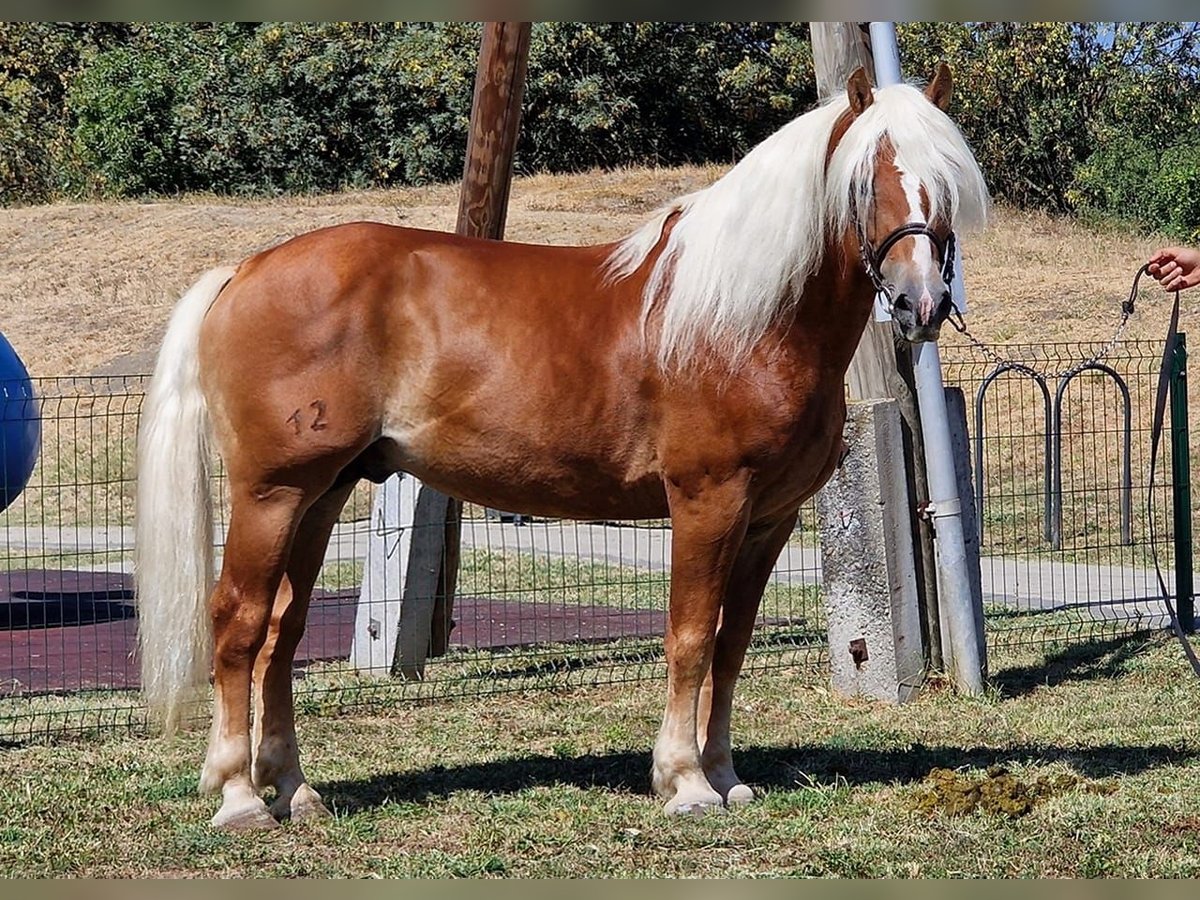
(741, 249)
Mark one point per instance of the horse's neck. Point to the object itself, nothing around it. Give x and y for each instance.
(835, 308)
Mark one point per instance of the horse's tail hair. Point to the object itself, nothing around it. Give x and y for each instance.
(173, 544)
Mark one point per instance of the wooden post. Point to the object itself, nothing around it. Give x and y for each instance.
(881, 368)
(482, 211)
(418, 537)
(495, 126)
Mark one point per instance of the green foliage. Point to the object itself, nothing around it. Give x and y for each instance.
(38, 61)
(284, 107)
(1129, 179)
(271, 108)
(124, 134)
(1089, 117)
(623, 93)
(1076, 116)
(1145, 161)
(320, 106)
(1023, 98)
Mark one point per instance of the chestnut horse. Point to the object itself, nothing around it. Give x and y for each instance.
(694, 369)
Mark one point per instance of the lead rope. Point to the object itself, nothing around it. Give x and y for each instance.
(956, 321)
(1160, 406)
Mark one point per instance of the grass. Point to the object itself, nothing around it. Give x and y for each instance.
(556, 784)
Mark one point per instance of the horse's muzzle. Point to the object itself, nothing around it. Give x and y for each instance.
(916, 325)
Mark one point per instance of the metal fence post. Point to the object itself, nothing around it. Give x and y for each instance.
(1181, 483)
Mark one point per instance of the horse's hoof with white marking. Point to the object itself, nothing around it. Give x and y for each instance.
(302, 806)
(245, 818)
(694, 804)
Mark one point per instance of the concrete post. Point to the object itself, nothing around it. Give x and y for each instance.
(881, 367)
(869, 577)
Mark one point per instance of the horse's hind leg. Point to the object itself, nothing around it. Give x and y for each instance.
(708, 523)
(751, 571)
(276, 752)
(261, 526)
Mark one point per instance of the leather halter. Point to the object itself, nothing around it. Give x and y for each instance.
(873, 258)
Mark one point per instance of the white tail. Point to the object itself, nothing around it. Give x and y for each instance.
(173, 555)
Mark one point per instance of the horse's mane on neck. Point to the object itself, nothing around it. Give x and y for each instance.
(740, 250)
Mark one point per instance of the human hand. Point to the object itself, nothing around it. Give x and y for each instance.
(1176, 268)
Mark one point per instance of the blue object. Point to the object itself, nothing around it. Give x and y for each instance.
(20, 425)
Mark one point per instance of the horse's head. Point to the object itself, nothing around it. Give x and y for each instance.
(911, 179)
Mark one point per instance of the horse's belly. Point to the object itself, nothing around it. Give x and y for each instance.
(515, 473)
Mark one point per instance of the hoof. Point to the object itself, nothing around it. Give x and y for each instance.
(739, 795)
(694, 803)
(245, 818)
(695, 808)
(306, 812)
(302, 806)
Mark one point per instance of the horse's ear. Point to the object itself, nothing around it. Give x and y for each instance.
(940, 88)
(858, 89)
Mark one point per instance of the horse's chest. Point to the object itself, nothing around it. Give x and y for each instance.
(809, 449)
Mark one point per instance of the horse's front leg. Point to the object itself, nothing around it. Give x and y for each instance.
(751, 571)
(708, 518)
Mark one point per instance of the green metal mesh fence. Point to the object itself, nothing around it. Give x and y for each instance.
(549, 603)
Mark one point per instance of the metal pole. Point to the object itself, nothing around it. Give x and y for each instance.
(886, 52)
(955, 583)
(954, 587)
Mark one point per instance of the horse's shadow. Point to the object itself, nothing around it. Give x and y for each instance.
(770, 768)
(799, 765)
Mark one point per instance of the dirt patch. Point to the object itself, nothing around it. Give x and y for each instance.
(996, 792)
(1189, 826)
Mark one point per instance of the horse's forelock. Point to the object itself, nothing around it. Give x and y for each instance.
(926, 144)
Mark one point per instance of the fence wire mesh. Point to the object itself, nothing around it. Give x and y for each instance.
(549, 603)
(1067, 556)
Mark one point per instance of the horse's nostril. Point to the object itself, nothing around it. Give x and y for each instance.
(902, 302)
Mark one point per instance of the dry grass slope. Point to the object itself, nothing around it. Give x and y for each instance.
(84, 284)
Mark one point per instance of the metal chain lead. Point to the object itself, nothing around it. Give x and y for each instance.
(956, 320)
(1127, 308)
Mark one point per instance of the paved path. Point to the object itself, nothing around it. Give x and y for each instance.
(1105, 591)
